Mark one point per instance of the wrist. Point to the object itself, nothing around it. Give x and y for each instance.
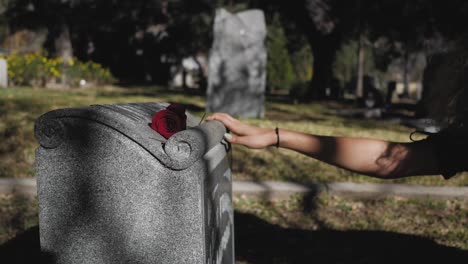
(274, 137)
(277, 137)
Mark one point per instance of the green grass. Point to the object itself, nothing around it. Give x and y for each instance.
(443, 221)
(17, 214)
(317, 225)
(20, 107)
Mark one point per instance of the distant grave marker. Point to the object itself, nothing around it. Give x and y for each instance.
(237, 66)
(3, 73)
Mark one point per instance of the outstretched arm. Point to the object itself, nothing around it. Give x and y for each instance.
(373, 157)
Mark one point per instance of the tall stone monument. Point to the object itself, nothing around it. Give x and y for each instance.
(3, 73)
(112, 190)
(237, 65)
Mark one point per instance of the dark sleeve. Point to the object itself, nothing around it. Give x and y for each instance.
(450, 147)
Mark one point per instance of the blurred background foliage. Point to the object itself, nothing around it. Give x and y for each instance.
(39, 70)
(279, 67)
(313, 45)
(140, 42)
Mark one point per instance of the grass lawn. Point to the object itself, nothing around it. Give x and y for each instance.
(19, 108)
(17, 214)
(330, 229)
(312, 229)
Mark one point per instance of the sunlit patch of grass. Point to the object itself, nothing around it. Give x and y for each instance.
(443, 221)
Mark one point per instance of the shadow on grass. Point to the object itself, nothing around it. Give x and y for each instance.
(24, 248)
(278, 114)
(280, 98)
(149, 92)
(360, 116)
(257, 241)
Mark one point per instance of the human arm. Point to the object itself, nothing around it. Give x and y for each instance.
(373, 157)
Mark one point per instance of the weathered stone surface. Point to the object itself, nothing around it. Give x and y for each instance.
(3, 73)
(237, 75)
(111, 190)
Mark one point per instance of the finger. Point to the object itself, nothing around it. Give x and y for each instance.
(217, 116)
(235, 125)
(228, 136)
(230, 122)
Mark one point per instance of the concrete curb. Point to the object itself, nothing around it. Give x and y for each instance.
(24, 186)
(282, 190)
(279, 190)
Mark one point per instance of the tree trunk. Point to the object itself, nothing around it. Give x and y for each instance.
(63, 44)
(202, 75)
(64, 50)
(360, 69)
(323, 42)
(324, 50)
(406, 74)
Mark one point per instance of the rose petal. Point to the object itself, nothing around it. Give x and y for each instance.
(167, 123)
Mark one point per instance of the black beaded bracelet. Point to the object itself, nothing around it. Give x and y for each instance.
(277, 137)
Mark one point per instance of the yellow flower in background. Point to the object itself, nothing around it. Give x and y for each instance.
(26, 69)
(55, 72)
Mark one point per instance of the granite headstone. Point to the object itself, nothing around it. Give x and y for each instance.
(3, 73)
(237, 64)
(112, 190)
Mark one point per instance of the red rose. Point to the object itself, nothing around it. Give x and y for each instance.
(169, 121)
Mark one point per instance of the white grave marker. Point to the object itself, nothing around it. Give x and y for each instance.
(3, 73)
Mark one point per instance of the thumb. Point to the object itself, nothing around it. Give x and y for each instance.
(232, 139)
(229, 137)
(248, 141)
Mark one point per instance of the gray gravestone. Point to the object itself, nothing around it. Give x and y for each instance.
(112, 190)
(3, 73)
(237, 66)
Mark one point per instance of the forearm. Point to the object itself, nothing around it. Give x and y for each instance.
(372, 157)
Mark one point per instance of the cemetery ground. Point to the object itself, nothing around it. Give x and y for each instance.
(310, 229)
(318, 228)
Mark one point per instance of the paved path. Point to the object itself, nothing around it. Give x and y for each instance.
(281, 190)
